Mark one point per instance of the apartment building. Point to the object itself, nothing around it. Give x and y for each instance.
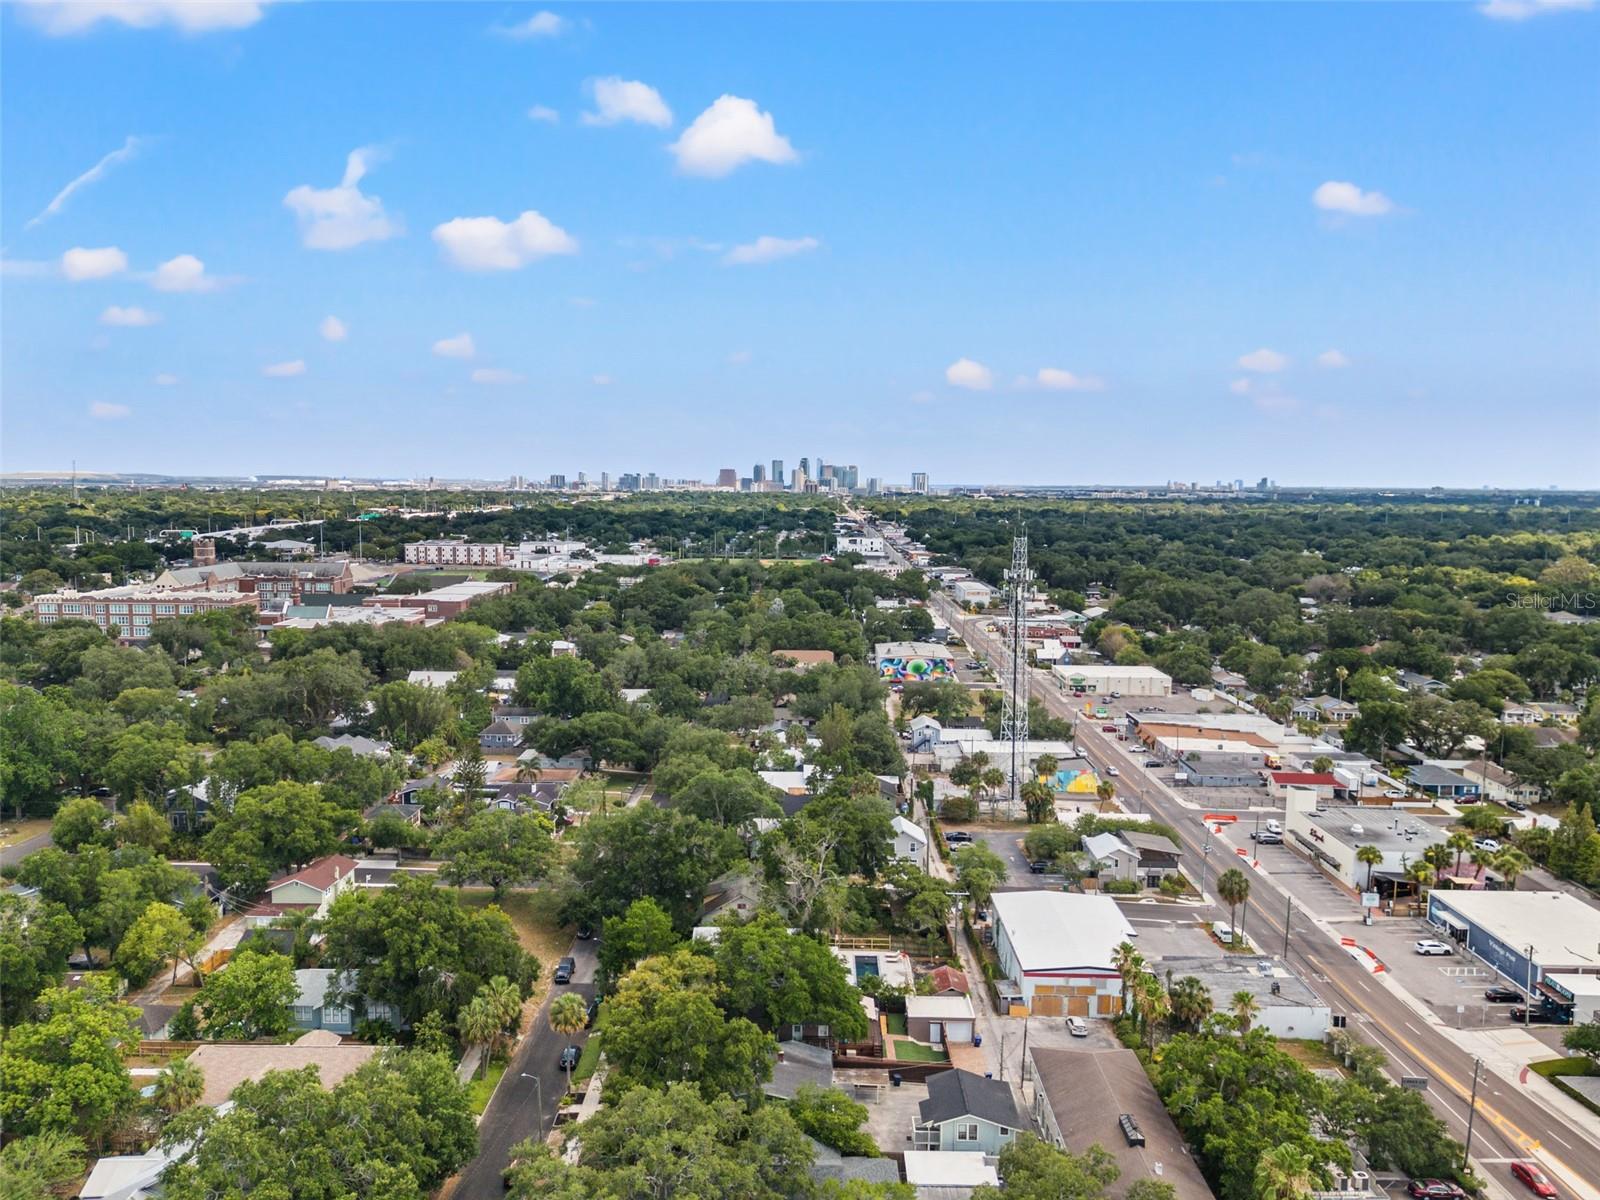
(132, 610)
(454, 552)
(292, 582)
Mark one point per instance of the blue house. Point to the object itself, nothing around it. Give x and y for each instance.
(314, 1007)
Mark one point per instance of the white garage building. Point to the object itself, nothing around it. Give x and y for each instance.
(1101, 679)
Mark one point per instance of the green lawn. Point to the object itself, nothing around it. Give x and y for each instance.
(482, 1087)
(908, 1051)
(587, 1063)
(1555, 1068)
(897, 1023)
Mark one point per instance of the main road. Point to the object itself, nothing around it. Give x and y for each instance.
(1509, 1126)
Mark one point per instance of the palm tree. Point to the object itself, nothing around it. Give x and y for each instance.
(1341, 674)
(505, 1001)
(1038, 801)
(993, 779)
(1321, 763)
(479, 1025)
(1245, 1009)
(1460, 841)
(1105, 790)
(179, 1086)
(1512, 862)
(1482, 860)
(568, 1015)
(1370, 857)
(1283, 1173)
(1421, 874)
(1154, 1007)
(1129, 964)
(1234, 889)
(1047, 766)
(1191, 1002)
(528, 770)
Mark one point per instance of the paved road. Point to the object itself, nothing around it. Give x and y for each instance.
(522, 1107)
(14, 854)
(1509, 1124)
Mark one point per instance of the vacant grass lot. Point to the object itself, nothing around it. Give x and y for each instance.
(482, 1087)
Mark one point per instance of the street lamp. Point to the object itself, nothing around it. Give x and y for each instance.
(539, 1099)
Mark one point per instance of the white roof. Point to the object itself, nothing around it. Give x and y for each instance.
(1055, 930)
(1104, 845)
(910, 829)
(1113, 671)
(1562, 929)
(942, 1168)
(1584, 987)
(939, 1008)
(912, 650)
(437, 679)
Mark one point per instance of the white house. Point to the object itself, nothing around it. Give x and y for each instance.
(910, 842)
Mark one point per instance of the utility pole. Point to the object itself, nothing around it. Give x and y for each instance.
(1472, 1112)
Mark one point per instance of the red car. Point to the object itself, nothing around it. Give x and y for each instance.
(1434, 1189)
(1534, 1180)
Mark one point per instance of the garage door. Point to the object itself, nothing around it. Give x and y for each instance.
(1046, 1006)
(1078, 1006)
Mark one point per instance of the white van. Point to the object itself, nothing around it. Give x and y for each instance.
(1274, 827)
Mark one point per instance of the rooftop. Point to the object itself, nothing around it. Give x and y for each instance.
(953, 1094)
(226, 1066)
(1387, 829)
(1563, 930)
(1243, 973)
(1052, 930)
(912, 650)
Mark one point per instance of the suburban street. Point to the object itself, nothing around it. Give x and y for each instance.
(1510, 1124)
(523, 1107)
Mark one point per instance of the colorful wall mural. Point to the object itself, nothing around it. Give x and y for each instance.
(917, 670)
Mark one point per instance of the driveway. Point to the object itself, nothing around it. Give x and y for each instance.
(522, 1107)
(20, 851)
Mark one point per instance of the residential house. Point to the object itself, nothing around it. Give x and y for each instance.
(1412, 681)
(432, 679)
(311, 889)
(1325, 709)
(316, 1006)
(797, 1065)
(1440, 783)
(361, 747)
(500, 735)
(411, 791)
(1324, 783)
(940, 1020)
(735, 893)
(561, 648)
(947, 981)
(827, 1163)
(1146, 858)
(966, 1112)
(1498, 783)
(411, 814)
(805, 660)
(225, 1065)
(910, 842)
(511, 714)
(935, 1176)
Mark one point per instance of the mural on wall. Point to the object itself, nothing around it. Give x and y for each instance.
(1076, 781)
(916, 670)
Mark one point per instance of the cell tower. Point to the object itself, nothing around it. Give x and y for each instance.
(1014, 685)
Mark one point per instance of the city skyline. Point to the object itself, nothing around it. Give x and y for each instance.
(1186, 257)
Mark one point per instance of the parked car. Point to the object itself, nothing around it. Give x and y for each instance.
(1539, 1016)
(958, 837)
(585, 933)
(1516, 806)
(593, 1012)
(1039, 866)
(1534, 1180)
(1434, 1189)
(1116, 695)
(974, 665)
(1394, 794)
(1077, 1027)
(1489, 844)
(1267, 838)
(564, 970)
(569, 1058)
(1274, 826)
(1502, 995)
(1429, 946)
(1223, 932)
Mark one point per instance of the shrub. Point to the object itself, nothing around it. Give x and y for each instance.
(1121, 887)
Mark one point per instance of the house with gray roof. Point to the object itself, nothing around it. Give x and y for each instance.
(966, 1112)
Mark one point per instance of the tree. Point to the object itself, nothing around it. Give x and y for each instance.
(143, 826)
(179, 1085)
(568, 1016)
(663, 1025)
(249, 998)
(407, 714)
(40, 1165)
(505, 1001)
(1032, 1170)
(645, 851)
(1245, 1009)
(36, 939)
(416, 947)
(1129, 964)
(1283, 1173)
(160, 933)
(1370, 857)
(1584, 1039)
(63, 1069)
(80, 822)
(1039, 802)
(1191, 1002)
(778, 978)
(1233, 889)
(501, 849)
(1511, 863)
(979, 870)
(921, 902)
(275, 827)
(287, 1136)
(672, 1143)
(834, 1119)
(641, 932)
(480, 1026)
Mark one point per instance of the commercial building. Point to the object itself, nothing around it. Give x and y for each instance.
(1332, 837)
(915, 662)
(292, 582)
(1057, 950)
(1285, 1006)
(867, 547)
(972, 593)
(132, 610)
(315, 616)
(1524, 936)
(1582, 992)
(456, 552)
(1103, 678)
(444, 602)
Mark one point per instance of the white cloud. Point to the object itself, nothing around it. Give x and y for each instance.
(460, 346)
(100, 410)
(1240, 387)
(540, 25)
(1054, 379)
(540, 112)
(332, 329)
(1521, 10)
(733, 131)
(1263, 360)
(79, 263)
(1333, 360)
(285, 370)
(768, 249)
(186, 273)
(338, 218)
(63, 17)
(94, 174)
(602, 381)
(165, 379)
(132, 317)
(495, 375)
(618, 100)
(1347, 198)
(490, 244)
(739, 357)
(974, 376)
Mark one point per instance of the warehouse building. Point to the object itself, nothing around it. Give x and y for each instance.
(1056, 948)
(972, 593)
(1101, 679)
(914, 662)
(1525, 936)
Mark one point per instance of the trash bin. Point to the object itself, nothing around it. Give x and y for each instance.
(977, 1039)
(894, 1078)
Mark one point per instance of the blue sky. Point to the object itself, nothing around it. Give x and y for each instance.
(1330, 243)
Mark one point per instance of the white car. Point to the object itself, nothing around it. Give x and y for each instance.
(1429, 946)
(1488, 844)
(1077, 1027)
(1113, 772)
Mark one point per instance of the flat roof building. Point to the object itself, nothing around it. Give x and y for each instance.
(914, 662)
(1102, 678)
(1331, 838)
(1058, 948)
(1286, 1007)
(1522, 935)
(132, 610)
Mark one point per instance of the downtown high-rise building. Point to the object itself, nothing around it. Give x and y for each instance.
(777, 471)
(919, 481)
(758, 474)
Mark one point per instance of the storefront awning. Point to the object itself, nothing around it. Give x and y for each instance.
(1451, 922)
